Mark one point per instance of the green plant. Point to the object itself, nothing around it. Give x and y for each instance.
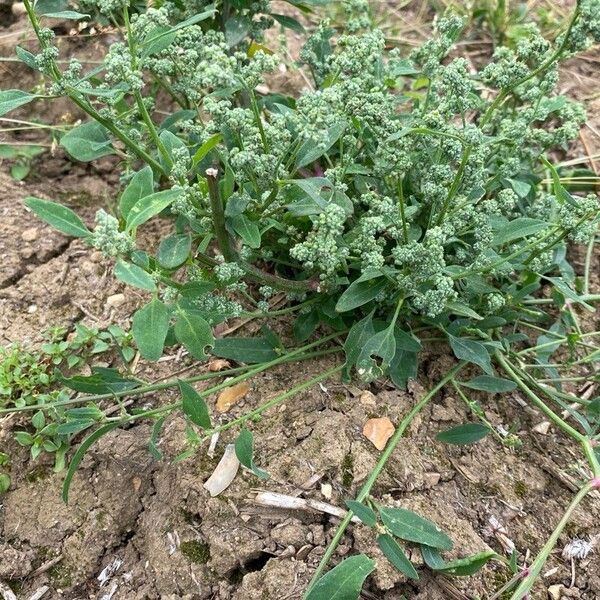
(400, 201)
(20, 157)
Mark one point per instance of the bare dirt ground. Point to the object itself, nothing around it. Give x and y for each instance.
(136, 528)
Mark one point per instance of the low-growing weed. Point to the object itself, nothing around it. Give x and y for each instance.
(401, 199)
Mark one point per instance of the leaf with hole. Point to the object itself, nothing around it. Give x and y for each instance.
(192, 330)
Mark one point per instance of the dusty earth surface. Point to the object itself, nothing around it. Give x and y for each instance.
(137, 528)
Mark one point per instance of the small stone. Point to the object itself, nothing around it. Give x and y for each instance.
(30, 234)
(368, 399)
(303, 552)
(327, 490)
(18, 9)
(32, 308)
(542, 427)
(115, 300)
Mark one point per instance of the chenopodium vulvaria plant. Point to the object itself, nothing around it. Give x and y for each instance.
(400, 190)
(400, 194)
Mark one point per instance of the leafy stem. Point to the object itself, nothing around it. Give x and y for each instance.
(385, 456)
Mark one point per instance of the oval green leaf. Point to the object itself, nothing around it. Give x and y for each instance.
(409, 526)
(149, 327)
(174, 250)
(394, 553)
(469, 433)
(148, 207)
(59, 216)
(194, 333)
(344, 581)
(244, 450)
(194, 406)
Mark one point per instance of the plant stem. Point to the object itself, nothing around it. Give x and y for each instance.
(218, 217)
(560, 423)
(251, 372)
(389, 449)
(156, 387)
(537, 565)
(275, 401)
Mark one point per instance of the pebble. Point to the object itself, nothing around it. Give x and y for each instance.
(30, 234)
(115, 300)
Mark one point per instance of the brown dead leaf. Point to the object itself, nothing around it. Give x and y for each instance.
(218, 364)
(378, 431)
(231, 395)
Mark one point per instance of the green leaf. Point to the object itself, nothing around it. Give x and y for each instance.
(568, 292)
(4, 483)
(236, 29)
(488, 383)
(87, 142)
(363, 512)
(458, 308)
(59, 216)
(153, 441)
(462, 567)
(11, 99)
(194, 333)
(403, 367)
(471, 351)
(73, 427)
(252, 350)
(406, 341)
(174, 250)
(344, 581)
(80, 453)
(208, 145)
(469, 433)
(133, 275)
(244, 450)
(521, 188)
(194, 406)
(20, 171)
(394, 553)
(140, 186)
(305, 325)
(356, 338)
(289, 23)
(411, 527)
(26, 57)
(309, 151)
(149, 206)
(149, 327)
(362, 290)
(248, 230)
(381, 345)
(521, 227)
(66, 14)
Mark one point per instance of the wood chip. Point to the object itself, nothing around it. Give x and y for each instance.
(231, 396)
(224, 472)
(378, 431)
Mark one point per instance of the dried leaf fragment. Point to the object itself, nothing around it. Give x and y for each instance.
(231, 395)
(218, 364)
(224, 472)
(378, 431)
